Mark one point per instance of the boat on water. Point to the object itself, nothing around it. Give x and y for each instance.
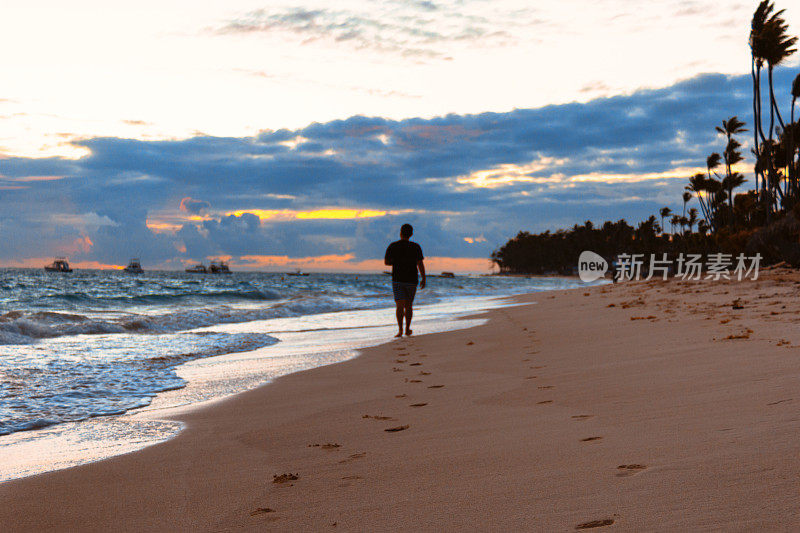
(60, 264)
(297, 272)
(134, 267)
(197, 269)
(219, 267)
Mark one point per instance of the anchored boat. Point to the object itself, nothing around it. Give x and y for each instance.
(134, 267)
(197, 269)
(59, 265)
(219, 267)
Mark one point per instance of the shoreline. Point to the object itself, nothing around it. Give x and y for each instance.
(207, 381)
(646, 406)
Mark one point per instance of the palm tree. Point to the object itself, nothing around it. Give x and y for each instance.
(692, 218)
(664, 212)
(686, 197)
(770, 44)
(674, 221)
(792, 127)
(757, 53)
(697, 185)
(731, 155)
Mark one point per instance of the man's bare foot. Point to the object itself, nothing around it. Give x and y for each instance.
(398, 335)
(408, 332)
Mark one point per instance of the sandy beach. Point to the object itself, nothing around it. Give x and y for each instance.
(650, 406)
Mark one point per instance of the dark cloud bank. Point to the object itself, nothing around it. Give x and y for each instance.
(369, 163)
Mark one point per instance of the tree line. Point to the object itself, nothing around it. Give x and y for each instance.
(764, 219)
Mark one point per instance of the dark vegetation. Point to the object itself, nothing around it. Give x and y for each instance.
(764, 219)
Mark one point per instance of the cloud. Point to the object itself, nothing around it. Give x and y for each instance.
(343, 188)
(190, 205)
(418, 29)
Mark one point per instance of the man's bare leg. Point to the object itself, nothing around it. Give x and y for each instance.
(409, 313)
(401, 305)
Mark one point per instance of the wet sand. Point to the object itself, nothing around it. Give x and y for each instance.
(657, 406)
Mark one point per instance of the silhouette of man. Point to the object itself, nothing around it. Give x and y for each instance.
(405, 257)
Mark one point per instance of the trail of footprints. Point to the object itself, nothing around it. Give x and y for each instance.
(624, 470)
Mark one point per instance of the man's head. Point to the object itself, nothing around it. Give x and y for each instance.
(406, 231)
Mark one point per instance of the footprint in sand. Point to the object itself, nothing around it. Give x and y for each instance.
(326, 446)
(531, 377)
(526, 360)
(352, 477)
(545, 401)
(435, 386)
(400, 395)
(395, 369)
(397, 428)
(378, 417)
(587, 439)
(423, 373)
(545, 387)
(353, 457)
(415, 381)
(595, 523)
(629, 470)
(470, 343)
(261, 510)
(418, 405)
(400, 361)
(285, 478)
(415, 364)
(581, 417)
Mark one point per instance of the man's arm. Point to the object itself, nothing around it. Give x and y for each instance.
(387, 259)
(421, 267)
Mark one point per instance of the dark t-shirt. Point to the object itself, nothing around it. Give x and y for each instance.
(403, 256)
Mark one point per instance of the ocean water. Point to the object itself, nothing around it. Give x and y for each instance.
(81, 350)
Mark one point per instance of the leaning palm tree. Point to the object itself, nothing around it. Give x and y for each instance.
(793, 178)
(664, 212)
(697, 185)
(770, 44)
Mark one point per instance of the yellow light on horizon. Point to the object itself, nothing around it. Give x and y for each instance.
(340, 213)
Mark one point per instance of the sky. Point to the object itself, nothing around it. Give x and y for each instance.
(302, 134)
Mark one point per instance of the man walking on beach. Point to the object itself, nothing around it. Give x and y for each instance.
(406, 258)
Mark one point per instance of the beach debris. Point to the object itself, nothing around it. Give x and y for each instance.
(651, 317)
(544, 401)
(435, 386)
(261, 510)
(283, 478)
(418, 404)
(376, 417)
(326, 446)
(398, 428)
(470, 343)
(587, 439)
(415, 364)
(595, 523)
(634, 466)
(400, 395)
